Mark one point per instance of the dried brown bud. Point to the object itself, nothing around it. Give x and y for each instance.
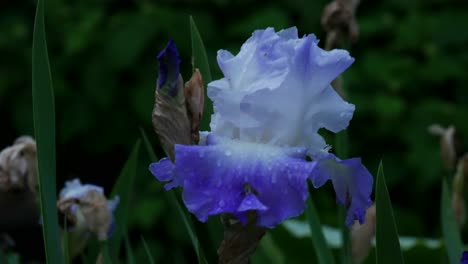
(91, 211)
(458, 201)
(362, 236)
(18, 166)
(195, 98)
(96, 211)
(338, 19)
(458, 207)
(170, 119)
(448, 144)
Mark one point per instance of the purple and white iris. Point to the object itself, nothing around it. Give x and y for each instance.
(273, 99)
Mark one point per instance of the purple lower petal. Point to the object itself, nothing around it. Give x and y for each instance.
(352, 183)
(232, 177)
(163, 170)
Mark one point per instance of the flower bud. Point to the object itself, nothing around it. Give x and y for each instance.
(170, 119)
(169, 79)
(449, 144)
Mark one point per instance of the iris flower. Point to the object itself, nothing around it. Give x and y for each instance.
(264, 143)
(87, 208)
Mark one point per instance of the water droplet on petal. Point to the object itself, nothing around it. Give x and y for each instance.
(228, 153)
(221, 203)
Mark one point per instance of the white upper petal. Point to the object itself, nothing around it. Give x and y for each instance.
(277, 91)
(74, 189)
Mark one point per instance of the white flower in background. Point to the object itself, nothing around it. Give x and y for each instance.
(87, 208)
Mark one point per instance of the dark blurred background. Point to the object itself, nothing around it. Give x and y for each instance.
(410, 71)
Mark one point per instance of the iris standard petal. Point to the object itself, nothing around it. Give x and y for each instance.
(277, 90)
(330, 112)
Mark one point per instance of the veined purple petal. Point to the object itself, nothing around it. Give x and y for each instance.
(352, 183)
(169, 68)
(235, 177)
(163, 170)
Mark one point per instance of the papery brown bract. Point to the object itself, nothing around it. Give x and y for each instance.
(195, 98)
(170, 119)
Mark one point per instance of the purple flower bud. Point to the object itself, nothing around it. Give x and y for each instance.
(169, 68)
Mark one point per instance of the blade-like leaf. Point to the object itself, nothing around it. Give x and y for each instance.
(66, 243)
(148, 252)
(450, 230)
(129, 251)
(200, 61)
(271, 251)
(3, 258)
(44, 130)
(387, 241)
(324, 254)
(170, 196)
(105, 252)
(123, 188)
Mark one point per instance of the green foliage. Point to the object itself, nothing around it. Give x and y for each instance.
(180, 211)
(450, 229)
(386, 234)
(123, 188)
(44, 128)
(129, 251)
(324, 254)
(148, 253)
